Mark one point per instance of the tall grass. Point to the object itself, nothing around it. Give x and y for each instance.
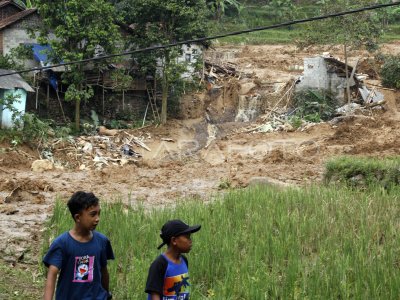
(364, 171)
(314, 243)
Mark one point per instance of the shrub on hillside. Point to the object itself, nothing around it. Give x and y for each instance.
(364, 171)
(314, 105)
(390, 72)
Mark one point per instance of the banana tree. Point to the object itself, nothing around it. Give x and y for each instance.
(219, 6)
(281, 9)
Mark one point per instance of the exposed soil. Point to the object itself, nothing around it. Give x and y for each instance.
(191, 157)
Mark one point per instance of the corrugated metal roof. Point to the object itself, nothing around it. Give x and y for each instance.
(13, 81)
(16, 17)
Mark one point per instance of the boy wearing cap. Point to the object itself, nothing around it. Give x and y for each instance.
(168, 277)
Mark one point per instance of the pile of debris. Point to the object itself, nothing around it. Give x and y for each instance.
(322, 73)
(108, 147)
(216, 73)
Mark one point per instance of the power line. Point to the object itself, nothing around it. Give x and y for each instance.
(198, 40)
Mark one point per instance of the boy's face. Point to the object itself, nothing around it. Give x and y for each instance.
(182, 242)
(89, 217)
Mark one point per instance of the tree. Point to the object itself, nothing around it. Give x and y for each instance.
(160, 22)
(281, 9)
(82, 30)
(356, 30)
(219, 6)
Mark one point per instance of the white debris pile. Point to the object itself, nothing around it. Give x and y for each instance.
(108, 147)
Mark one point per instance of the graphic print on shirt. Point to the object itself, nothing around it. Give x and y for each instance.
(83, 269)
(176, 287)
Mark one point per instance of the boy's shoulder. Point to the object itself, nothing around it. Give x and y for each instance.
(100, 235)
(61, 238)
(65, 237)
(162, 260)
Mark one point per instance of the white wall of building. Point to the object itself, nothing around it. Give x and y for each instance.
(190, 55)
(13, 37)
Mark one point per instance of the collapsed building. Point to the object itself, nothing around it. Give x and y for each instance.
(329, 74)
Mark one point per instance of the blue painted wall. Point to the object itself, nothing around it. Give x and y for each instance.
(6, 115)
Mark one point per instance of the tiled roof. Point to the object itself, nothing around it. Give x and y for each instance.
(15, 18)
(6, 2)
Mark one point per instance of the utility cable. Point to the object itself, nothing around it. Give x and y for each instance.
(198, 40)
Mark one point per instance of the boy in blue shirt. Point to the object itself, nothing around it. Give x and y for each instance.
(79, 255)
(168, 277)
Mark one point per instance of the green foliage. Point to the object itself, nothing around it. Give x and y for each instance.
(83, 30)
(394, 14)
(8, 62)
(22, 52)
(283, 10)
(77, 93)
(390, 72)
(314, 105)
(17, 283)
(35, 129)
(122, 79)
(13, 60)
(256, 13)
(225, 184)
(164, 22)
(118, 124)
(262, 243)
(7, 101)
(314, 117)
(364, 171)
(295, 121)
(32, 130)
(219, 7)
(356, 30)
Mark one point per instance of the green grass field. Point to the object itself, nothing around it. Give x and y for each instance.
(264, 243)
(261, 16)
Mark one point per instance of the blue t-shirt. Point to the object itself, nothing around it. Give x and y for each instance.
(168, 279)
(80, 266)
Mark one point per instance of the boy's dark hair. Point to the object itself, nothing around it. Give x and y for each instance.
(80, 201)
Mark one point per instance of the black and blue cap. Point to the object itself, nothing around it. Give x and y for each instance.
(174, 228)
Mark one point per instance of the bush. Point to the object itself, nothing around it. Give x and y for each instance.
(295, 121)
(32, 130)
(314, 105)
(364, 171)
(390, 72)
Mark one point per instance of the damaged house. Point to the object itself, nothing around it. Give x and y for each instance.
(328, 73)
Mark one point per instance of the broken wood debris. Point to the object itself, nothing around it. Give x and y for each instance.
(219, 70)
(168, 140)
(138, 142)
(116, 147)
